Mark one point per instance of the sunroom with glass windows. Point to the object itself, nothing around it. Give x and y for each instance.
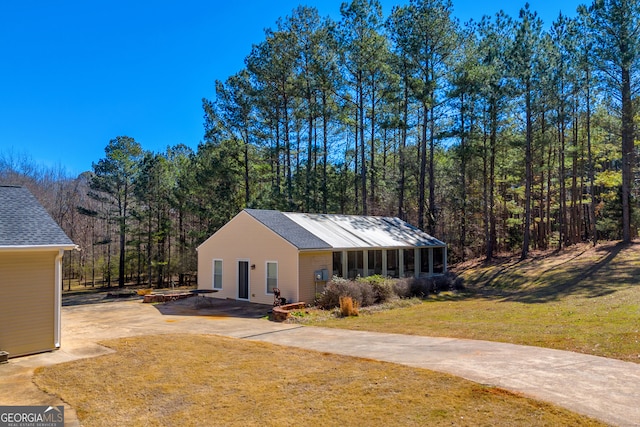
(395, 263)
(368, 245)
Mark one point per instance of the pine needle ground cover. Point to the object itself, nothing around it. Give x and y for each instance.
(198, 380)
(584, 299)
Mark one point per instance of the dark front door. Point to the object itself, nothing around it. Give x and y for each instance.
(243, 279)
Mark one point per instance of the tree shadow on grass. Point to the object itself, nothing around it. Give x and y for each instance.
(602, 277)
(589, 273)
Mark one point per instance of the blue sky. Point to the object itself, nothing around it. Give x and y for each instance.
(76, 73)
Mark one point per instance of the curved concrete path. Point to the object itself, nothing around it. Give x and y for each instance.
(605, 389)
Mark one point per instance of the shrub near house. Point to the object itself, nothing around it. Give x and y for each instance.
(379, 290)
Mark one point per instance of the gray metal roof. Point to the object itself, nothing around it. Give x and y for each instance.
(324, 231)
(24, 222)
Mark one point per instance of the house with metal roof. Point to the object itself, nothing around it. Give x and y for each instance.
(298, 253)
(31, 248)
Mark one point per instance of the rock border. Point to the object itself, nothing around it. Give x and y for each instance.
(280, 313)
(151, 298)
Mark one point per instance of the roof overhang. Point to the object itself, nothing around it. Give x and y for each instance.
(38, 248)
(373, 248)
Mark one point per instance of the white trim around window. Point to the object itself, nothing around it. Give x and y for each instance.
(271, 276)
(216, 276)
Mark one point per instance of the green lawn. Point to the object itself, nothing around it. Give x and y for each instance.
(583, 299)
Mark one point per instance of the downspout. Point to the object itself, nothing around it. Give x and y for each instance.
(58, 298)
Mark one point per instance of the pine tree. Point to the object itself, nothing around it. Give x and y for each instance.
(113, 181)
(617, 24)
(526, 48)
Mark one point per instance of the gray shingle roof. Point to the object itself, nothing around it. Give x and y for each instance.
(287, 229)
(24, 222)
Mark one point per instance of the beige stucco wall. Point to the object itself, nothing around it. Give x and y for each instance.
(27, 302)
(309, 263)
(245, 238)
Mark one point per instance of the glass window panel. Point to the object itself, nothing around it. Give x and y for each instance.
(217, 274)
(424, 261)
(337, 264)
(375, 262)
(355, 261)
(392, 263)
(438, 260)
(409, 262)
(272, 276)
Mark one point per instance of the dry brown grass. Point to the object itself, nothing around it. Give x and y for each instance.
(198, 380)
(582, 299)
(348, 307)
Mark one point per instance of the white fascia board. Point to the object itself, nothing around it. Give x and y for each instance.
(38, 248)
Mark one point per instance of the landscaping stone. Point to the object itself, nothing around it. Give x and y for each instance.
(151, 298)
(281, 313)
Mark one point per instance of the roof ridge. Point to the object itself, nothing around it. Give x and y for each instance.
(321, 230)
(288, 229)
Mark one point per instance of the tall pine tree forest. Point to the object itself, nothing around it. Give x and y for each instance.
(500, 135)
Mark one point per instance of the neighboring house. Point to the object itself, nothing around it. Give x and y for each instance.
(259, 250)
(31, 249)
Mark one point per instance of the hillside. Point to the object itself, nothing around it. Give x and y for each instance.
(581, 299)
(581, 271)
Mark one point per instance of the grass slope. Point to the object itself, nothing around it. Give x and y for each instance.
(583, 299)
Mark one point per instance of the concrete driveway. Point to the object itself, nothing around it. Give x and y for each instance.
(605, 389)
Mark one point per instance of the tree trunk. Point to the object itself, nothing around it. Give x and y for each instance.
(423, 169)
(432, 178)
(325, 150)
(247, 190)
(493, 142)
(372, 148)
(575, 210)
(485, 195)
(123, 239)
(287, 147)
(363, 156)
(562, 214)
(308, 191)
(627, 154)
(592, 206)
(542, 227)
(403, 145)
(528, 176)
(463, 179)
